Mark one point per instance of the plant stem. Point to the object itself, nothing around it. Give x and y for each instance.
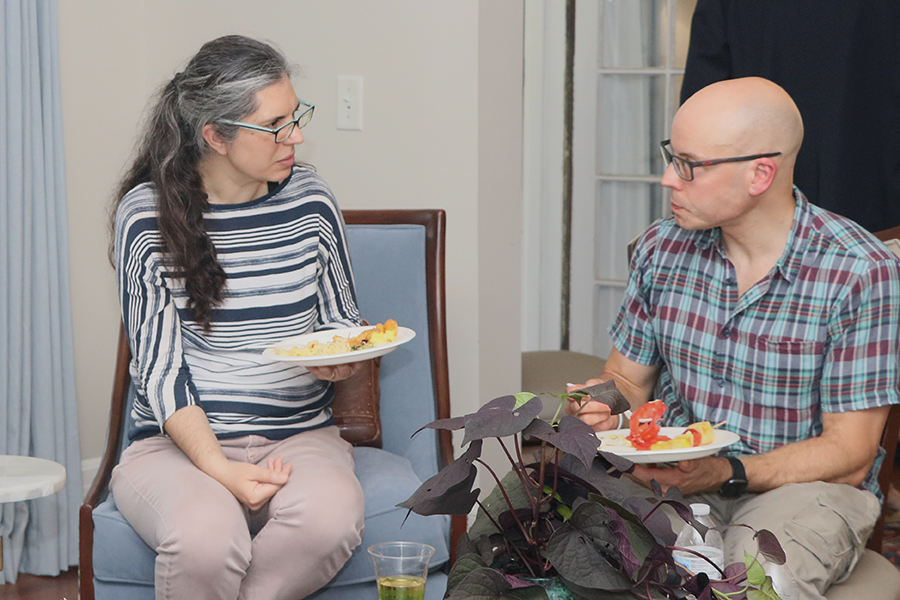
(520, 472)
(554, 420)
(509, 546)
(695, 553)
(512, 510)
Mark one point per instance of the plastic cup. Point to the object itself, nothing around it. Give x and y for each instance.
(401, 569)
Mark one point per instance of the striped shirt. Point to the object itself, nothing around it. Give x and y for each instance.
(288, 273)
(818, 334)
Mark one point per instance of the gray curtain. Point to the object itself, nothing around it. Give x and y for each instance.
(37, 377)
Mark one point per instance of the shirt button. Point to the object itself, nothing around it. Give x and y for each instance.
(729, 281)
(721, 383)
(726, 333)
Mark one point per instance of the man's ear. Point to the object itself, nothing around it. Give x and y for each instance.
(214, 140)
(763, 175)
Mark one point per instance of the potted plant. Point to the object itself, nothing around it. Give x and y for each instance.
(564, 519)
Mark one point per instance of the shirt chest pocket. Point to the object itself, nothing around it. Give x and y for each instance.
(783, 370)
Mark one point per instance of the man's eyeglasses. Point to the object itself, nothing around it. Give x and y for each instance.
(284, 132)
(684, 168)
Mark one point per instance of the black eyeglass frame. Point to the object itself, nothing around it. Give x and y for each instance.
(679, 161)
(305, 116)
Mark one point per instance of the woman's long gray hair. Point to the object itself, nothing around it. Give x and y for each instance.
(220, 82)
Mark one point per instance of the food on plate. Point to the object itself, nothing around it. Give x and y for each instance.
(382, 333)
(696, 434)
(644, 431)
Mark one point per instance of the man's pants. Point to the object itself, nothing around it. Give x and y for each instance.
(823, 528)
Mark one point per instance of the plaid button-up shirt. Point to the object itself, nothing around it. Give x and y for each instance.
(818, 334)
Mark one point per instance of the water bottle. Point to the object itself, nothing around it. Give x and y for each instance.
(711, 546)
(782, 580)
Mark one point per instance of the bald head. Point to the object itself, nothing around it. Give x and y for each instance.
(740, 117)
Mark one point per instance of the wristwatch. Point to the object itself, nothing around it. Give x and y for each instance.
(737, 483)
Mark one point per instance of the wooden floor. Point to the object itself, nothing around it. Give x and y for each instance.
(30, 587)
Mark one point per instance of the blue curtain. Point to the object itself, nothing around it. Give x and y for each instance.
(38, 414)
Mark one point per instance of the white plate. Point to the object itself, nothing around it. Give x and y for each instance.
(404, 334)
(723, 438)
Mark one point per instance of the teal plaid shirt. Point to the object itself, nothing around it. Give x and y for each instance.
(818, 334)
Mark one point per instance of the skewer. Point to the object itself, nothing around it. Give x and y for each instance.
(719, 424)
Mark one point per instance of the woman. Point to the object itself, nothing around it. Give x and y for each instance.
(222, 245)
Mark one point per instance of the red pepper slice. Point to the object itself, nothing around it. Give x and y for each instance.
(644, 424)
(698, 437)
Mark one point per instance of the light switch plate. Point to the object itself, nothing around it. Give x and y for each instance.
(350, 102)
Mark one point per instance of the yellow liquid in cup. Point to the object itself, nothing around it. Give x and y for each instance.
(402, 587)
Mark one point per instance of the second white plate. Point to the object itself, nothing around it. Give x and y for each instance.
(723, 439)
(404, 334)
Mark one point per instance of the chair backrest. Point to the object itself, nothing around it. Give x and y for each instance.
(398, 264)
(891, 428)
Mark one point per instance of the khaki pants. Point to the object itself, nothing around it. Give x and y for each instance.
(209, 546)
(823, 528)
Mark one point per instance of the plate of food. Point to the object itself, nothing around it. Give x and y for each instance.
(340, 346)
(616, 442)
(646, 442)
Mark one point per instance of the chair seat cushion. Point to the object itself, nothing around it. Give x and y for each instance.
(121, 556)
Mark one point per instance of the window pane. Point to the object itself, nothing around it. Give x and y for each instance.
(623, 211)
(630, 116)
(633, 33)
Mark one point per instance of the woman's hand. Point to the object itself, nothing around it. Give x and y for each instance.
(335, 372)
(254, 485)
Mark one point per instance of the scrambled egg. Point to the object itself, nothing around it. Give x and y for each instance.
(380, 334)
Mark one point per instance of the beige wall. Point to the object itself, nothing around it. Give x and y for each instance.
(442, 128)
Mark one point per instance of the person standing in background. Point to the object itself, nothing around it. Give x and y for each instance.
(838, 60)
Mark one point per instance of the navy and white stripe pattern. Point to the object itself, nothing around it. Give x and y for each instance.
(288, 269)
(818, 334)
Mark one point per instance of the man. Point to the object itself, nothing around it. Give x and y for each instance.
(750, 306)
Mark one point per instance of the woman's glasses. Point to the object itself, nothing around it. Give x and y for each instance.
(284, 132)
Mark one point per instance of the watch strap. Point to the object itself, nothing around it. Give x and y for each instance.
(736, 485)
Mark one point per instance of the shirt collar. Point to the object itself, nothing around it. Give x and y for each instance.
(791, 259)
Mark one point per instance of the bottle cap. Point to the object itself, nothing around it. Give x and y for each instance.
(700, 509)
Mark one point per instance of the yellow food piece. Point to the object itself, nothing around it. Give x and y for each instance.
(707, 433)
(686, 439)
(380, 334)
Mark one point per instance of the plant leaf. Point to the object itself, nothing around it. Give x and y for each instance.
(464, 565)
(770, 547)
(523, 397)
(450, 491)
(495, 505)
(756, 573)
(451, 424)
(765, 592)
(573, 437)
(619, 463)
(641, 539)
(482, 584)
(500, 418)
(573, 553)
(583, 593)
(606, 393)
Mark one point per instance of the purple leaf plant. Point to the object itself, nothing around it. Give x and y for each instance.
(565, 513)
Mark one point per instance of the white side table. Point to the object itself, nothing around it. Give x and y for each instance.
(27, 477)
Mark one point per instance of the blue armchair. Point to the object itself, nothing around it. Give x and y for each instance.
(398, 261)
